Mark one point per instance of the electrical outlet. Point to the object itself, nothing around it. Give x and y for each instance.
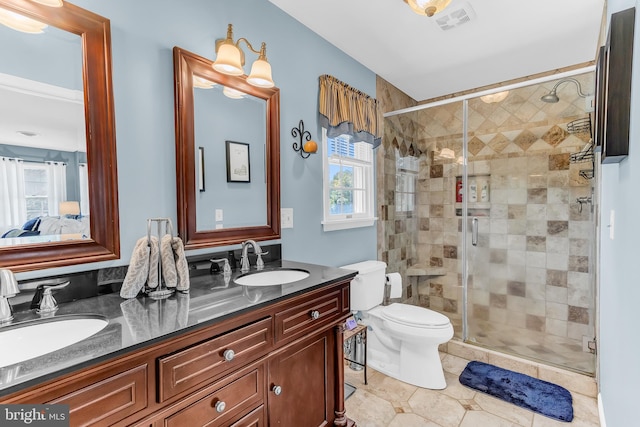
(286, 215)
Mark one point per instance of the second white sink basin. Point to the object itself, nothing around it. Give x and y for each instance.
(24, 341)
(272, 277)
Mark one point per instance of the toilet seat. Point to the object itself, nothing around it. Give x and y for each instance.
(418, 317)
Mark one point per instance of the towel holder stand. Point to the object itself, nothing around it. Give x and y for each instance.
(164, 226)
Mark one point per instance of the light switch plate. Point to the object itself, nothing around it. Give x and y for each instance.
(286, 217)
(219, 215)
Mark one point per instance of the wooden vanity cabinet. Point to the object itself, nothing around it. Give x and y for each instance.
(301, 383)
(277, 365)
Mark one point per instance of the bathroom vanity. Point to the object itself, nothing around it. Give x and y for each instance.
(222, 355)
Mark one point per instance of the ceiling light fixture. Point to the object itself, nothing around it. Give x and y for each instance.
(21, 23)
(427, 7)
(230, 59)
(52, 3)
(495, 97)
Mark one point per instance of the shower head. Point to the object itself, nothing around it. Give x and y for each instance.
(552, 97)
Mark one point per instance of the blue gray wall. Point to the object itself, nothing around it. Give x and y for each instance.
(144, 33)
(219, 119)
(619, 293)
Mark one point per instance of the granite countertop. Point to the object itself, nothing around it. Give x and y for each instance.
(138, 322)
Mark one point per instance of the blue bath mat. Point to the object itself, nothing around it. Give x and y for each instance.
(522, 390)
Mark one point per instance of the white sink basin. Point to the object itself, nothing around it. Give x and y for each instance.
(272, 277)
(24, 341)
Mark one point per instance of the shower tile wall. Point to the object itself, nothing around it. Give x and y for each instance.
(533, 239)
(395, 231)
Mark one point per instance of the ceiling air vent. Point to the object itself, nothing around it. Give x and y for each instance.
(456, 17)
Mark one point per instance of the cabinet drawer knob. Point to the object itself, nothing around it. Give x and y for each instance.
(277, 390)
(220, 406)
(229, 355)
(315, 314)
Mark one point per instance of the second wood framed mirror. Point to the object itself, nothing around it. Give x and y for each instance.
(227, 155)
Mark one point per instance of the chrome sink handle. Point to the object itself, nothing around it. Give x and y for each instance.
(48, 304)
(8, 289)
(260, 262)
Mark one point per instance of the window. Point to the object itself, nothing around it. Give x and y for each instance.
(348, 183)
(36, 190)
(406, 175)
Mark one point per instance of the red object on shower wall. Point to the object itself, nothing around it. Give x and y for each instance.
(459, 190)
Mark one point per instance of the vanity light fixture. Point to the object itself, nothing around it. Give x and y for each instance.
(202, 83)
(307, 148)
(21, 23)
(494, 97)
(230, 59)
(232, 93)
(427, 7)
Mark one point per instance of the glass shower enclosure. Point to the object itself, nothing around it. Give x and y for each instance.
(500, 236)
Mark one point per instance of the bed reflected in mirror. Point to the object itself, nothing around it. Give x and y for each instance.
(58, 200)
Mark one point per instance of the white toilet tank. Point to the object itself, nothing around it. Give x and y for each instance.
(367, 288)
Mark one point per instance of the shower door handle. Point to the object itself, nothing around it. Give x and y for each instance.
(474, 231)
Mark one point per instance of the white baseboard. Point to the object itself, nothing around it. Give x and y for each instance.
(603, 422)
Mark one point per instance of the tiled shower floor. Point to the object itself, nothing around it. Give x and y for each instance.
(559, 351)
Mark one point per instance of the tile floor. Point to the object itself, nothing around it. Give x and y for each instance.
(387, 402)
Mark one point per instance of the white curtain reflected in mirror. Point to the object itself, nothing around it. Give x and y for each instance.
(42, 137)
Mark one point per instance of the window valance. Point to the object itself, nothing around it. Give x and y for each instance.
(346, 110)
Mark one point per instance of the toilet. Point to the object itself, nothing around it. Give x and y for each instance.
(402, 339)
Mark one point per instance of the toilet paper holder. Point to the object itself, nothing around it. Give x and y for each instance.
(392, 287)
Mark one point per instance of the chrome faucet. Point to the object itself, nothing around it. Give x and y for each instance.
(8, 289)
(48, 304)
(244, 260)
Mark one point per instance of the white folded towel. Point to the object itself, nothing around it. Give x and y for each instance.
(154, 253)
(169, 273)
(182, 267)
(138, 270)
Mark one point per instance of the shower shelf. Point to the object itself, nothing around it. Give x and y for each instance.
(586, 173)
(424, 270)
(585, 155)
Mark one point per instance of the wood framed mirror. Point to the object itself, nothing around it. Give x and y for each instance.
(102, 240)
(227, 155)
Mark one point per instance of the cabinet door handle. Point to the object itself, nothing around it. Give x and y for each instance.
(315, 314)
(277, 390)
(229, 355)
(220, 406)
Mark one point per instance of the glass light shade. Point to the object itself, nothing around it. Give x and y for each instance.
(260, 74)
(202, 83)
(494, 97)
(52, 3)
(428, 7)
(228, 60)
(232, 93)
(21, 23)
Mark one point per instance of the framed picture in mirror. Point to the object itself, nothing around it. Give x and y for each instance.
(238, 163)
